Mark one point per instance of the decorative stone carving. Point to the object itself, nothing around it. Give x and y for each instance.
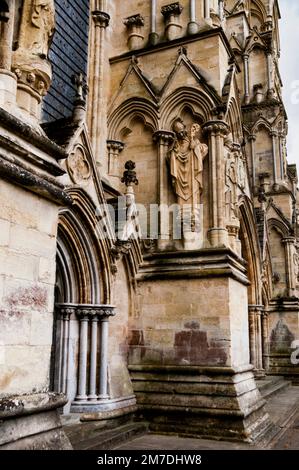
(135, 26)
(115, 147)
(186, 163)
(101, 19)
(78, 165)
(130, 229)
(296, 267)
(30, 62)
(129, 178)
(171, 14)
(231, 181)
(185, 160)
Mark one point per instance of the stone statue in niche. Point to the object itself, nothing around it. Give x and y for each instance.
(186, 163)
(185, 160)
(296, 267)
(231, 181)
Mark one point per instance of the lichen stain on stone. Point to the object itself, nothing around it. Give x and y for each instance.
(192, 347)
(35, 297)
(281, 337)
(6, 379)
(11, 315)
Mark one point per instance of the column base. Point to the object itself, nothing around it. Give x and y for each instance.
(103, 406)
(32, 423)
(213, 402)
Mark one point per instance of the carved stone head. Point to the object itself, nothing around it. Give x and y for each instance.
(179, 129)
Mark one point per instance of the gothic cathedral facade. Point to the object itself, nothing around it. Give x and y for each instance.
(149, 244)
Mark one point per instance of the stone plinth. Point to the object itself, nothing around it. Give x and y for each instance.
(189, 349)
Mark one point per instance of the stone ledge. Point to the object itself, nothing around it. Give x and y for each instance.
(204, 263)
(185, 370)
(45, 187)
(25, 131)
(16, 406)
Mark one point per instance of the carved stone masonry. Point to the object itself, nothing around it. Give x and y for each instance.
(171, 14)
(101, 19)
(30, 60)
(130, 177)
(172, 9)
(135, 26)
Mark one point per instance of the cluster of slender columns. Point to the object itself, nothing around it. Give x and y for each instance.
(91, 374)
(216, 131)
(256, 337)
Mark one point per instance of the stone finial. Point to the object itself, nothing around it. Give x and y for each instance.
(81, 87)
(129, 178)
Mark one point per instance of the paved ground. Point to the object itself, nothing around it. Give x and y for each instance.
(283, 409)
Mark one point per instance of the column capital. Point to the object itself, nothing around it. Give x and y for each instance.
(163, 137)
(171, 9)
(216, 127)
(256, 309)
(66, 310)
(134, 20)
(252, 138)
(115, 145)
(101, 18)
(288, 240)
(89, 312)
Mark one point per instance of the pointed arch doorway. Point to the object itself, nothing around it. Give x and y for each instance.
(79, 366)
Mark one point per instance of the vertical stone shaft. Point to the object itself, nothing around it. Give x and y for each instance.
(93, 359)
(96, 106)
(207, 9)
(103, 385)
(289, 244)
(163, 140)
(66, 323)
(83, 358)
(246, 78)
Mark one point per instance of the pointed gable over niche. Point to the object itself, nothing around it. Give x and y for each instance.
(134, 85)
(255, 40)
(185, 73)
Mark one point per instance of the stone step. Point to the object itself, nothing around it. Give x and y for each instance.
(272, 385)
(99, 439)
(79, 431)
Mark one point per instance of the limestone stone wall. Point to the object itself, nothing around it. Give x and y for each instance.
(27, 277)
(119, 379)
(204, 324)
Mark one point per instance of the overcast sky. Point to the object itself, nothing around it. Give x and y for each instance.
(289, 66)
